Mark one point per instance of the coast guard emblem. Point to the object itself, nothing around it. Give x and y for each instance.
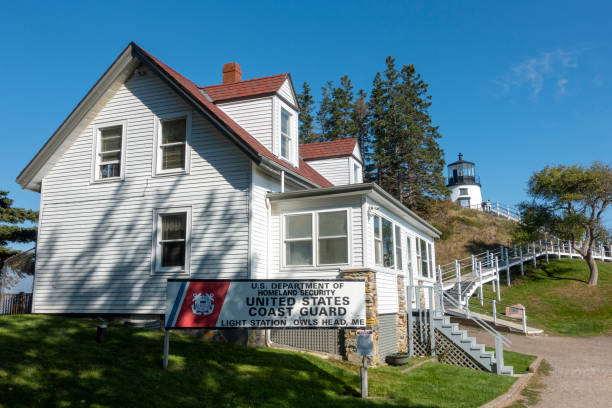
(202, 304)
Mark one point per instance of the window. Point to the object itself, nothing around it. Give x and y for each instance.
(173, 136)
(172, 240)
(398, 247)
(109, 149)
(383, 242)
(409, 255)
(298, 240)
(377, 241)
(464, 202)
(432, 268)
(356, 171)
(423, 257)
(285, 144)
(333, 238)
(463, 191)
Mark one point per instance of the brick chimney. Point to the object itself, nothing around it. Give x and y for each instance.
(231, 73)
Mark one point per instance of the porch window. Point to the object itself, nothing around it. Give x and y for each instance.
(398, 247)
(409, 255)
(172, 237)
(383, 242)
(285, 144)
(377, 241)
(333, 238)
(424, 266)
(298, 240)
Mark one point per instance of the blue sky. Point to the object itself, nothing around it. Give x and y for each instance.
(515, 85)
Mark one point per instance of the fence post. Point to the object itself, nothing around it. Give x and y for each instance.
(480, 288)
(499, 354)
(458, 272)
(440, 273)
(410, 323)
(558, 248)
(432, 340)
(522, 267)
(534, 255)
(494, 312)
(547, 251)
(524, 321)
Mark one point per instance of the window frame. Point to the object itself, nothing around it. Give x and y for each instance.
(463, 191)
(287, 135)
(380, 240)
(156, 268)
(157, 151)
(97, 138)
(285, 240)
(397, 245)
(315, 238)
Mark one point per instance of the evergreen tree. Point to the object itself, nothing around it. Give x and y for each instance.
(336, 111)
(10, 229)
(306, 118)
(360, 117)
(325, 108)
(407, 160)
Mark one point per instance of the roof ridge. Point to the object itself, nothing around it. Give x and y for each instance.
(331, 141)
(246, 80)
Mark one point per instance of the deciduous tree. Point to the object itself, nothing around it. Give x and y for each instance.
(569, 202)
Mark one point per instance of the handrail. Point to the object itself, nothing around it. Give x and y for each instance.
(484, 325)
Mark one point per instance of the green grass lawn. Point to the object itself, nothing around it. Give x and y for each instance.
(558, 298)
(55, 361)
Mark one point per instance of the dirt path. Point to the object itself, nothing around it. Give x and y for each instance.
(582, 368)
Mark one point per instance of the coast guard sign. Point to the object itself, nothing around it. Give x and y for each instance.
(265, 304)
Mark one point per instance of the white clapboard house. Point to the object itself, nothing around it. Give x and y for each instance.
(154, 177)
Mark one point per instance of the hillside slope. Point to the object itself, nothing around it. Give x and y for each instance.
(465, 231)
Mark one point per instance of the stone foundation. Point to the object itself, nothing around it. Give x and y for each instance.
(350, 335)
(402, 325)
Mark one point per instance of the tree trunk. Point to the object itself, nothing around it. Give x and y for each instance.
(593, 268)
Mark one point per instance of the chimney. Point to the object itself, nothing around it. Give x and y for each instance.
(231, 73)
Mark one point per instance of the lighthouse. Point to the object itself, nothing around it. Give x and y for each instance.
(464, 184)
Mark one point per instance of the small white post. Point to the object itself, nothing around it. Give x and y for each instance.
(558, 248)
(480, 279)
(499, 354)
(458, 272)
(364, 378)
(534, 255)
(494, 312)
(547, 251)
(166, 347)
(524, 322)
(521, 254)
(440, 273)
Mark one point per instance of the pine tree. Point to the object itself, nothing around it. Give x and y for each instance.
(10, 226)
(407, 160)
(306, 118)
(325, 108)
(336, 111)
(360, 117)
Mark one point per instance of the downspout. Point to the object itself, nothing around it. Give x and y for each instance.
(282, 181)
(267, 341)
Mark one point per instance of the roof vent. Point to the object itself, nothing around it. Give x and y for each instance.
(231, 73)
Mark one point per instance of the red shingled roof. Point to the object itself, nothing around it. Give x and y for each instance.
(303, 170)
(325, 150)
(250, 87)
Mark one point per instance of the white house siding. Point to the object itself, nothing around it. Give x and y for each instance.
(386, 287)
(262, 183)
(336, 170)
(312, 272)
(254, 115)
(95, 242)
(286, 92)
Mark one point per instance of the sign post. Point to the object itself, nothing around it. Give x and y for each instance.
(263, 304)
(365, 348)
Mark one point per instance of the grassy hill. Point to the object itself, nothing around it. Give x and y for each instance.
(466, 231)
(558, 299)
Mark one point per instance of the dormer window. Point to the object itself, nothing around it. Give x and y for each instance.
(285, 144)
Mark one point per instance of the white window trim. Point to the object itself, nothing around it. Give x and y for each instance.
(315, 238)
(393, 224)
(157, 171)
(96, 148)
(354, 163)
(156, 253)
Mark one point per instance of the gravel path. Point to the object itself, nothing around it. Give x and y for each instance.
(582, 368)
